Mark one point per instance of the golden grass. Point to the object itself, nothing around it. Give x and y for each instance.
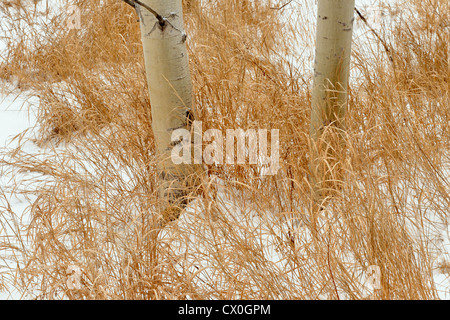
(96, 183)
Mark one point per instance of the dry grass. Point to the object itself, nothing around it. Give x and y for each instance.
(95, 180)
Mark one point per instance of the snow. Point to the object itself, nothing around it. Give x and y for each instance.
(15, 119)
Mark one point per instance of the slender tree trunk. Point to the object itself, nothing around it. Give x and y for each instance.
(332, 64)
(329, 96)
(170, 89)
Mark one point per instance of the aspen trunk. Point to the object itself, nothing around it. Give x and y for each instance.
(329, 96)
(332, 64)
(170, 89)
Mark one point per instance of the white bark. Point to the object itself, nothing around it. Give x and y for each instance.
(170, 89)
(329, 96)
(332, 64)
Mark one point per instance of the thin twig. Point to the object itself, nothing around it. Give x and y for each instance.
(161, 19)
(282, 7)
(386, 48)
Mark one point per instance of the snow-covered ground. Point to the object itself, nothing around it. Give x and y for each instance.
(15, 119)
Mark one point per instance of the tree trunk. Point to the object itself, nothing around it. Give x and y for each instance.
(332, 64)
(170, 89)
(329, 96)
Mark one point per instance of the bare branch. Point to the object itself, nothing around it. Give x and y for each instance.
(133, 3)
(386, 47)
(282, 7)
(130, 3)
